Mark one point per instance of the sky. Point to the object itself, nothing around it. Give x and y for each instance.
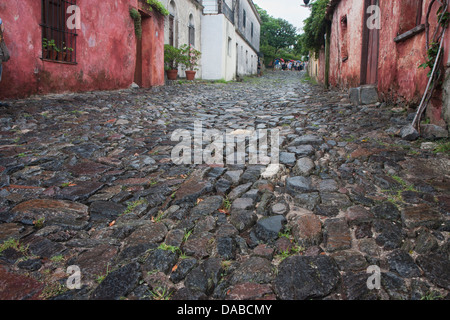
(290, 10)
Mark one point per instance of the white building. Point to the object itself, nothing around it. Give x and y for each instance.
(183, 25)
(230, 36)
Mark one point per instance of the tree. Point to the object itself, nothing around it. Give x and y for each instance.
(276, 34)
(315, 27)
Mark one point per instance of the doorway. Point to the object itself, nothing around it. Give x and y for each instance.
(370, 48)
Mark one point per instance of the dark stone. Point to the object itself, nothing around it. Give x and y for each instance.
(387, 211)
(216, 172)
(297, 185)
(183, 268)
(409, 133)
(118, 283)
(133, 252)
(223, 186)
(267, 229)
(390, 234)
(161, 260)
(263, 206)
(307, 230)
(42, 247)
(421, 216)
(200, 246)
(105, 210)
(287, 158)
(355, 287)
(425, 242)
(307, 139)
(307, 200)
(66, 214)
(81, 191)
(242, 220)
(250, 175)
(394, 286)
(350, 260)
(327, 211)
(301, 278)
(30, 264)
(402, 263)
(85, 150)
(250, 291)
(226, 248)
(205, 277)
(337, 234)
(255, 270)
(185, 294)
(208, 206)
(436, 268)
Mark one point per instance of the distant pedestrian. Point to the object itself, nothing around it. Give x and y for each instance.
(4, 53)
(259, 67)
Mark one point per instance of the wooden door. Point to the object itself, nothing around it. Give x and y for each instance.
(370, 48)
(138, 69)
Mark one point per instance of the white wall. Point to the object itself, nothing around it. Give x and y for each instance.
(247, 58)
(217, 62)
(183, 9)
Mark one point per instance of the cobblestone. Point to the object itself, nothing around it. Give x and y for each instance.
(87, 179)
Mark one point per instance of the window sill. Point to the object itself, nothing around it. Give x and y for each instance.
(409, 34)
(60, 62)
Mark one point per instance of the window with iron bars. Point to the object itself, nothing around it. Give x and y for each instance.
(58, 41)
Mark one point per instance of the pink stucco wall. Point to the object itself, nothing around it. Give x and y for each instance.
(346, 74)
(106, 50)
(399, 75)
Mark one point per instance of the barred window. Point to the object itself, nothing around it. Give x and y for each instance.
(58, 41)
(191, 31)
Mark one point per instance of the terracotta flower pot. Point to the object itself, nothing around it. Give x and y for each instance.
(172, 74)
(68, 56)
(190, 75)
(53, 55)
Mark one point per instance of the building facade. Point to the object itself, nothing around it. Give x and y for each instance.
(183, 25)
(382, 43)
(90, 46)
(230, 39)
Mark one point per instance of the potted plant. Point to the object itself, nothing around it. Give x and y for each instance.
(59, 54)
(172, 58)
(67, 53)
(52, 50)
(192, 57)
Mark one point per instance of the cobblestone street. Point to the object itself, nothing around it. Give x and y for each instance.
(87, 180)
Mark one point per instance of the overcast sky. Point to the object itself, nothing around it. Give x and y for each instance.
(290, 10)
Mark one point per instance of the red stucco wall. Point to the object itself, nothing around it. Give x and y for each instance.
(106, 50)
(346, 74)
(399, 75)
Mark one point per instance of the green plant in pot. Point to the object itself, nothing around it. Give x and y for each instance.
(67, 53)
(192, 58)
(172, 58)
(52, 50)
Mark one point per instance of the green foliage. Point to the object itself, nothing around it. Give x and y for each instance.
(173, 57)
(158, 6)
(277, 36)
(315, 27)
(136, 16)
(191, 56)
